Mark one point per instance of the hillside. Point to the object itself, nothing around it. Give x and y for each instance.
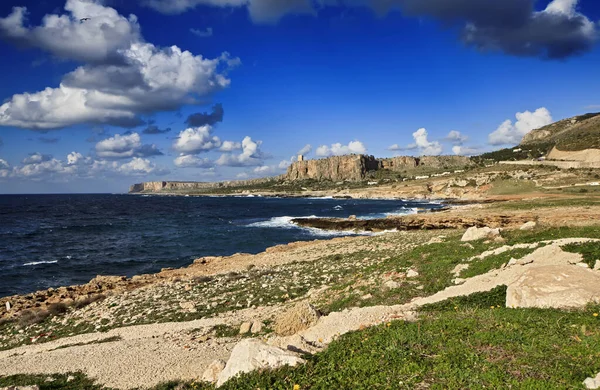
(571, 134)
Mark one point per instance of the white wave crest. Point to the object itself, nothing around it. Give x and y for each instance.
(40, 262)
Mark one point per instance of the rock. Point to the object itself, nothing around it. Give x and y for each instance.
(249, 355)
(34, 387)
(391, 284)
(256, 327)
(459, 269)
(592, 383)
(301, 316)
(7, 306)
(474, 233)
(597, 265)
(211, 374)
(367, 296)
(245, 328)
(188, 306)
(352, 218)
(554, 286)
(528, 226)
(411, 273)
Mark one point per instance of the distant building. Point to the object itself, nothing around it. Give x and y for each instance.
(300, 157)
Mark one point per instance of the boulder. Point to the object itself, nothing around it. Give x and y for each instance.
(528, 226)
(554, 286)
(245, 327)
(592, 383)
(256, 327)
(211, 374)
(249, 355)
(301, 316)
(392, 284)
(411, 273)
(474, 233)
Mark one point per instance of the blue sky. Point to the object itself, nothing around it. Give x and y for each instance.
(94, 99)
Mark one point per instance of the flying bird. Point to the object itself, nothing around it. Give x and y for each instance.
(84, 20)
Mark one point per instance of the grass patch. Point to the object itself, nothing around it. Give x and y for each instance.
(589, 250)
(513, 187)
(482, 266)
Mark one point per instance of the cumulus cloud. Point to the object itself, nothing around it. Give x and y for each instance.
(284, 164)
(354, 147)
(89, 32)
(204, 118)
(305, 150)
(251, 155)
(509, 133)
(456, 137)
(125, 146)
(43, 167)
(116, 86)
(461, 150)
(36, 158)
(426, 147)
(230, 146)
(208, 32)
(511, 26)
(196, 140)
(190, 161)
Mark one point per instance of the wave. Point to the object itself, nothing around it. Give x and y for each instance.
(285, 222)
(40, 262)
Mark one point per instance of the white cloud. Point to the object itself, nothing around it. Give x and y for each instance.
(36, 158)
(119, 83)
(230, 146)
(251, 155)
(460, 150)
(284, 164)
(242, 176)
(305, 150)
(426, 147)
(456, 137)
(41, 167)
(189, 161)
(139, 166)
(196, 140)
(261, 11)
(4, 169)
(202, 33)
(96, 39)
(396, 147)
(509, 133)
(125, 146)
(354, 147)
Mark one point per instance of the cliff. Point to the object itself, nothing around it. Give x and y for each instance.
(568, 135)
(338, 168)
(177, 186)
(356, 167)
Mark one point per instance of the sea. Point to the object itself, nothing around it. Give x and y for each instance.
(60, 240)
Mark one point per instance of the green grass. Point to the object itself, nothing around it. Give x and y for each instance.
(482, 266)
(589, 250)
(582, 200)
(513, 187)
(58, 381)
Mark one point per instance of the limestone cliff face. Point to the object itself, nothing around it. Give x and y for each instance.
(177, 186)
(338, 168)
(352, 167)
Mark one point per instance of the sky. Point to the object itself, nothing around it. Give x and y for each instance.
(99, 94)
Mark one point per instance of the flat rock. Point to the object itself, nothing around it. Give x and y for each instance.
(474, 233)
(554, 286)
(256, 327)
(249, 355)
(528, 226)
(592, 383)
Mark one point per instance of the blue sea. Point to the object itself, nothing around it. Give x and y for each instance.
(60, 240)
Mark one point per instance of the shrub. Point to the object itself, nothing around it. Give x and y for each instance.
(58, 308)
(81, 303)
(31, 317)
